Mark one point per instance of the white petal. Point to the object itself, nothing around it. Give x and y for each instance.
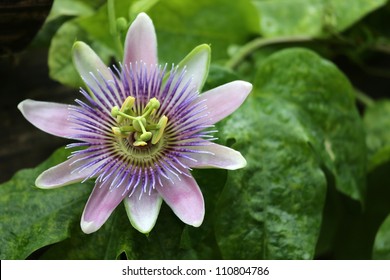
(47, 116)
(143, 209)
(215, 155)
(63, 174)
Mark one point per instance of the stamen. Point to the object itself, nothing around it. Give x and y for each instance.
(142, 127)
(126, 108)
(162, 123)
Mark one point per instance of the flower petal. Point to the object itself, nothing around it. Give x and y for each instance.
(87, 62)
(47, 116)
(218, 156)
(142, 209)
(141, 42)
(62, 174)
(185, 199)
(197, 64)
(100, 205)
(224, 100)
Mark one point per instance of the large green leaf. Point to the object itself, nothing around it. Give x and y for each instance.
(377, 123)
(322, 91)
(72, 8)
(381, 250)
(32, 218)
(316, 18)
(108, 242)
(181, 25)
(272, 208)
(60, 54)
(300, 120)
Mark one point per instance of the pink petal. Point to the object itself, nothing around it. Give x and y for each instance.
(217, 156)
(185, 199)
(47, 116)
(143, 209)
(197, 64)
(63, 174)
(225, 99)
(141, 42)
(100, 205)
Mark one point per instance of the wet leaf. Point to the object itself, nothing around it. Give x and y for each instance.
(32, 218)
(272, 208)
(322, 91)
(317, 18)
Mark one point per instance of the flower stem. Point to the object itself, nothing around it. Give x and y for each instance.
(257, 43)
(113, 27)
(364, 98)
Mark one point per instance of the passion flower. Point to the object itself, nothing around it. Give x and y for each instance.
(140, 130)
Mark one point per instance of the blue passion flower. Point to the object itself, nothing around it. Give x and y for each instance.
(139, 131)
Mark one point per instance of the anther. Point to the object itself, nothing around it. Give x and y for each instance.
(151, 107)
(118, 132)
(126, 107)
(115, 111)
(162, 123)
(138, 143)
(146, 136)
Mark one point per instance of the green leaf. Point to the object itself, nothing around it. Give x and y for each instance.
(141, 6)
(182, 25)
(381, 250)
(377, 123)
(72, 8)
(115, 236)
(300, 121)
(217, 76)
(315, 18)
(60, 62)
(32, 218)
(272, 208)
(322, 91)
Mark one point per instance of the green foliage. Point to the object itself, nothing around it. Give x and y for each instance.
(377, 122)
(316, 184)
(287, 131)
(195, 22)
(32, 218)
(272, 208)
(315, 18)
(92, 28)
(325, 95)
(382, 242)
(172, 19)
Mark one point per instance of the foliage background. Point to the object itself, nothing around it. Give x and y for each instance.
(315, 133)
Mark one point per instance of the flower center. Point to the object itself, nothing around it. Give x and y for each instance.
(141, 128)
